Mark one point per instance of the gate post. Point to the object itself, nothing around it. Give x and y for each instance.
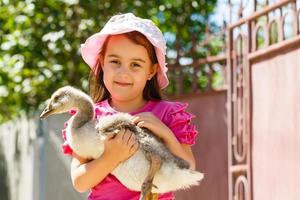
(238, 107)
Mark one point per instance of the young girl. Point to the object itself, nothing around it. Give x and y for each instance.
(127, 58)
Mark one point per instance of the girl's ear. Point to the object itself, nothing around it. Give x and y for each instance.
(153, 70)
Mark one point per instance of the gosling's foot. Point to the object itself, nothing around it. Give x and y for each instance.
(146, 191)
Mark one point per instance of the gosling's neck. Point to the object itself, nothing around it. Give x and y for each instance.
(85, 111)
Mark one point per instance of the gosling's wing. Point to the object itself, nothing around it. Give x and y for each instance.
(111, 122)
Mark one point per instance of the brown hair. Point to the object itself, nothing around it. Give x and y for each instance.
(97, 89)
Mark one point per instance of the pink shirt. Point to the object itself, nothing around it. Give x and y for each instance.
(173, 114)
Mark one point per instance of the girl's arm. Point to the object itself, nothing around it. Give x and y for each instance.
(88, 173)
(150, 121)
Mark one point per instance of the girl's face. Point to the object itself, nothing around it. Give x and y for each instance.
(126, 68)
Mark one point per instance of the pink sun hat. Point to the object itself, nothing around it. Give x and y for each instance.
(124, 23)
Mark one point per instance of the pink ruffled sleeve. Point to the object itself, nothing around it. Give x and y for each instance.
(178, 120)
(65, 146)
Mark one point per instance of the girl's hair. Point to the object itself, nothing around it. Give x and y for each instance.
(97, 89)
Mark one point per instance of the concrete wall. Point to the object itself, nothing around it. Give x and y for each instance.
(17, 149)
(32, 166)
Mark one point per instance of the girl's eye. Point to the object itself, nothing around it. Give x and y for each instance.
(136, 65)
(115, 62)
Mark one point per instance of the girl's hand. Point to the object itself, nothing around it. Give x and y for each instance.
(121, 146)
(150, 121)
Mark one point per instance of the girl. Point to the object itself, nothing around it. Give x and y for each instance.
(127, 58)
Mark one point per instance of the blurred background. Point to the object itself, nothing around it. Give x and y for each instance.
(234, 61)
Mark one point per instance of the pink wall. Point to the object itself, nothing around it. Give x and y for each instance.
(211, 147)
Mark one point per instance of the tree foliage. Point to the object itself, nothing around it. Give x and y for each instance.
(40, 41)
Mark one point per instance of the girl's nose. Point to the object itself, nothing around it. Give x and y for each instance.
(123, 71)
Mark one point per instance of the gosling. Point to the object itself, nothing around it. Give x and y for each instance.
(152, 165)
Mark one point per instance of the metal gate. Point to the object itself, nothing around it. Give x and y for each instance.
(259, 37)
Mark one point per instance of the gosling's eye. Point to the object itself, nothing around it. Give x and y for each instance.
(56, 98)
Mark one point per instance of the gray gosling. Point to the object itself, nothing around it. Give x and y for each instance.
(153, 168)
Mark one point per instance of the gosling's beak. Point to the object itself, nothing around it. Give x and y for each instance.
(46, 112)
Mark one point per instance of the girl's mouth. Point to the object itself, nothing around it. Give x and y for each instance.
(123, 84)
